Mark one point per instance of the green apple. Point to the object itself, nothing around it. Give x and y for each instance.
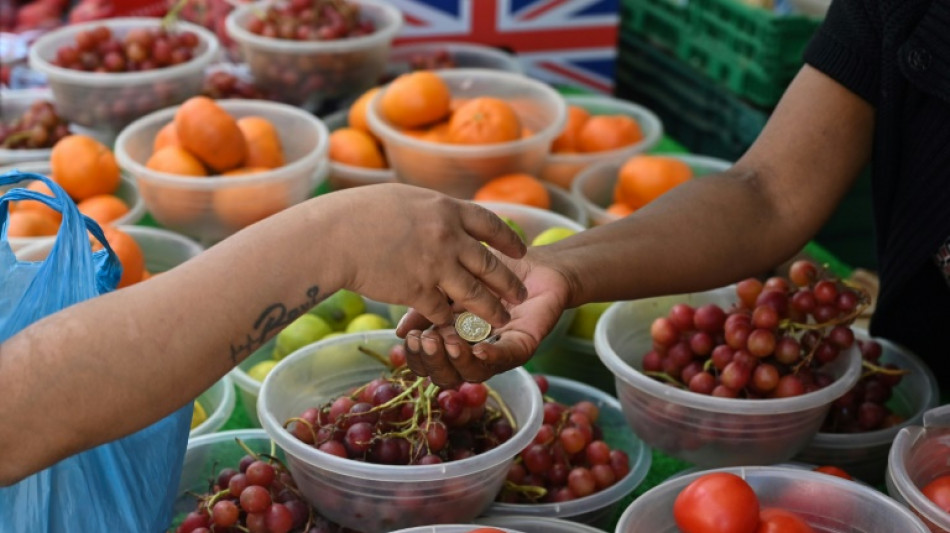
(339, 308)
(514, 226)
(299, 333)
(552, 235)
(260, 370)
(585, 320)
(368, 322)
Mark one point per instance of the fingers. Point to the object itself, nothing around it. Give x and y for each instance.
(490, 271)
(434, 307)
(470, 294)
(426, 356)
(487, 226)
(412, 320)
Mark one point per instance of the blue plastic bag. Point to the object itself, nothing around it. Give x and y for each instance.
(126, 485)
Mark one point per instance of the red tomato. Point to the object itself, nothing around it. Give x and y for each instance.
(834, 471)
(717, 503)
(775, 520)
(938, 491)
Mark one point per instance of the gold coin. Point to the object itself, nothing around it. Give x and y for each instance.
(471, 327)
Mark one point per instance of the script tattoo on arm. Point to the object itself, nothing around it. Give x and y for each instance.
(272, 319)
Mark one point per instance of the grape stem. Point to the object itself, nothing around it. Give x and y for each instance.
(249, 451)
(531, 492)
(877, 369)
(663, 376)
(172, 16)
(502, 406)
(378, 356)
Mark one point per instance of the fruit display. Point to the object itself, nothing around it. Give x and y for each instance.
(38, 127)
(518, 188)
(771, 344)
(221, 84)
(98, 50)
(311, 20)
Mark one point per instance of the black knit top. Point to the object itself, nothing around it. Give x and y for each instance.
(896, 55)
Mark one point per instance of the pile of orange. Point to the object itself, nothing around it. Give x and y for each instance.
(644, 178)
(204, 141)
(129, 253)
(355, 144)
(584, 133)
(518, 188)
(88, 172)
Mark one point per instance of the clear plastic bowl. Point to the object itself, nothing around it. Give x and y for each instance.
(452, 528)
(12, 105)
(537, 524)
(560, 168)
(376, 498)
(575, 357)
(701, 429)
(109, 101)
(464, 55)
(459, 170)
(344, 176)
(600, 508)
(127, 191)
(187, 204)
(304, 73)
(828, 504)
(594, 186)
(864, 455)
(218, 403)
(919, 455)
(564, 203)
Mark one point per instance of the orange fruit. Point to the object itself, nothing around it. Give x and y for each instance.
(484, 120)
(166, 137)
(263, 143)
(356, 116)
(169, 204)
(607, 132)
(567, 140)
(176, 160)
(31, 224)
(38, 207)
(518, 188)
(146, 275)
(84, 167)
(643, 178)
(560, 173)
(620, 209)
(210, 134)
(355, 147)
(129, 253)
(527, 133)
(415, 99)
(242, 206)
(103, 208)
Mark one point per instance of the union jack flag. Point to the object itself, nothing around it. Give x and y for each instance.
(572, 42)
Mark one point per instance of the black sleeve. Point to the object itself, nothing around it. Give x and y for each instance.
(847, 47)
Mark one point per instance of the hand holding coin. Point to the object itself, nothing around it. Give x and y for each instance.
(472, 328)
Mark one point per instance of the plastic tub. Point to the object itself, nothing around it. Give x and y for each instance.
(600, 508)
(374, 498)
(459, 170)
(127, 191)
(463, 55)
(594, 186)
(537, 524)
(188, 204)
(701, 429)
(218, 403)
(864, 455)
(919, 455)
(12, 105)
(829, 504)
(564, 203)
(109, 101)
(344, 176)
(304, 73)
(560, 168)
(452, 528)
(576, 358)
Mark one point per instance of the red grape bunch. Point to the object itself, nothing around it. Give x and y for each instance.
(431, 61)
(99, 50)
(771, 344)
(402, 419)
(258, 497)
(568, 459)
(311, 20)
(221, 84)
(38, 127)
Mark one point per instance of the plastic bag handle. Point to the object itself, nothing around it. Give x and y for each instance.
(108, 267)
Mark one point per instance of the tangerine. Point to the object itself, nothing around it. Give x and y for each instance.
(31, 224)
(517, 188)
(644, 178)
(484, 120)
(129, 253)
(619, 209)
(242, 206)
(170, 204)
(356, 116)
(84, 167)
(263, 143)
(212, 135)
(566, 141)
(608, 132)
(415, 99)
(38, 207)
(355, 147)
(103, 208)
(166, 137)
(176, 160)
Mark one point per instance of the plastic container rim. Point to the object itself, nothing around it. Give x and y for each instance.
(367, 173)
(450, 46)
(99, 79)
(220, 415)
(222, 436)
(563, 220)
(905, 440)
(650, 123)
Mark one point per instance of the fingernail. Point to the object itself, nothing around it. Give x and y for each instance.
(454, 351)
(479, 353)
(401, 320)
(522, 293)
(412, 342)
(429, 346)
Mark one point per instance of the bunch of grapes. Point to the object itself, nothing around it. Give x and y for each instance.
(220, 84)
(258, 497)
(431, 61)
(864, 407)
(568, 459)
(98, 50)
(771, 344)
(311, 20)
(402, 419)
(38, 127)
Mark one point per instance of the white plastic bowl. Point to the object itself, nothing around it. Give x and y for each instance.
(127, 191)
(702, 429)
(187, 204)
(537, 524)
(598, 509)
(452, 528)
(109, 101)
(576, 358)
(594, 186)
(12, 105)
(343, 176)
(864, 455)
(919, 455)
(304, 73)
(218, 403)
(560, 168)
(464, 55)
(459, 170)
(827, 503)
(376, 498)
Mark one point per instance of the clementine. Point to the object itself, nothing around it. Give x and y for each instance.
(176, 160)
(484, 120)
(567, 140)
(83, 167)
(39, 207)
(356, 116)
(415, 99)
(518, 188)
(263, 143)
(129, 253)
(103, 208)
(173, 205)
(620, 209)
(31, 224)
(607, 132)
(166, 137)
(643, 178)
(354, 147)
(210, 134)
(242, 206)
